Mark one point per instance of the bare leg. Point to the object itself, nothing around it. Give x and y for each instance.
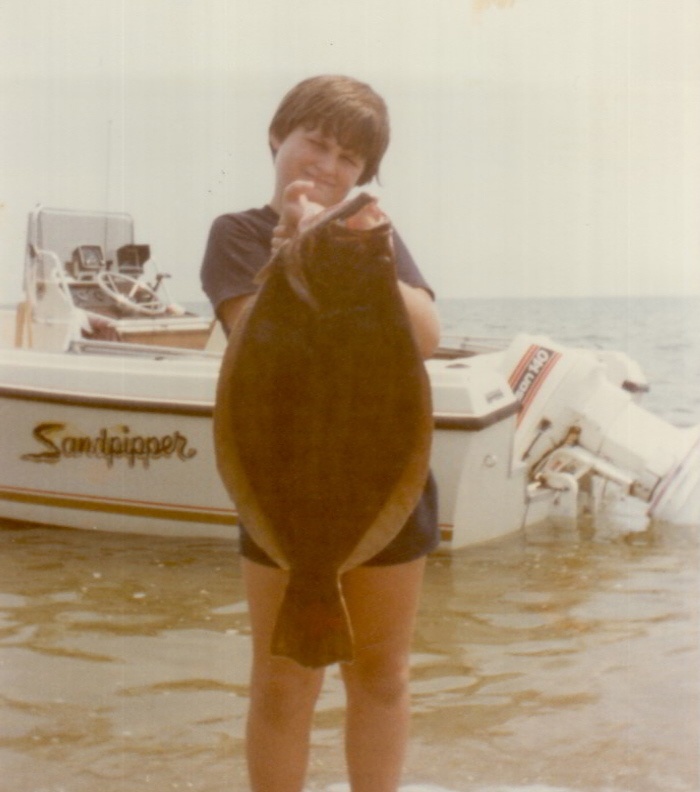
(282, 693)
(382, 602)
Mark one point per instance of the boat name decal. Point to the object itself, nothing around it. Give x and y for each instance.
(530, 373)
(108, 444)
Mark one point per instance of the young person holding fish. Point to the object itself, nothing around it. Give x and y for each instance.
(328, 136)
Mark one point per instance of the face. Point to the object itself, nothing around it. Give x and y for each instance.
(310, 155)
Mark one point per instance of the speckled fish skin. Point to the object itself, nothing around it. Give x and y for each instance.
(323, 423)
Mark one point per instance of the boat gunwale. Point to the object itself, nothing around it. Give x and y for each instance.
(101, 402)
(124, 506)
(442, 421)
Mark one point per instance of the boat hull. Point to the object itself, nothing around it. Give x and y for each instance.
(122, 444)
(108, 461)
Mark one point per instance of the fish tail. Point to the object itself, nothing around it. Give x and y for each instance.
(312, 625)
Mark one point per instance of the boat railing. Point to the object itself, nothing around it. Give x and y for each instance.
(47, 267)
(453, 346)
(87, 346)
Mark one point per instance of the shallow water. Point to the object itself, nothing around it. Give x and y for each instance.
(543, 663)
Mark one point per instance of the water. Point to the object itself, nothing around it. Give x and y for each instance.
(546, 662)
(661, 334)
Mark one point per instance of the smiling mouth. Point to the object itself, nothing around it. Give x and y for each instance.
(321, 182)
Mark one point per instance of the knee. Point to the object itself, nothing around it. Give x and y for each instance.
(282, 691)
(382, 678)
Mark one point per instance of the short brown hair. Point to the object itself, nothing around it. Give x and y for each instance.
(341, 107)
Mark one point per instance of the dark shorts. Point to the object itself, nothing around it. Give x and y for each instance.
(418, 537)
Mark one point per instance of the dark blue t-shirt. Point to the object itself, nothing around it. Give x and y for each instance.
(239, 247)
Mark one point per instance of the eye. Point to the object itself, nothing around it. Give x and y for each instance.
(353, 160)
(316, 142)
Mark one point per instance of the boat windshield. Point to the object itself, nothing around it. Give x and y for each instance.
(62, 231)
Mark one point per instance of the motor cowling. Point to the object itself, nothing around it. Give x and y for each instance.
(579, 415)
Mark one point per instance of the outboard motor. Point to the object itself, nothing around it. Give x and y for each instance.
(579, 422)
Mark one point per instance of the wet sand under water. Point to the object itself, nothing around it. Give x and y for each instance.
(549, 662)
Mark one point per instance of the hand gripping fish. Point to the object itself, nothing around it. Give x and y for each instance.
(323, 420)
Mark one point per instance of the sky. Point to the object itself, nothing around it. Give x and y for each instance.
(540, 148)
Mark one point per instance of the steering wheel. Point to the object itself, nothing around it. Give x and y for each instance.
(131, 293)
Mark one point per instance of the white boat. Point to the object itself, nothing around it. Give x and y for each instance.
(107, 389)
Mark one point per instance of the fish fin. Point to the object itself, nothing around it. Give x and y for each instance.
(296, 279)
(276, 262)
(406, 492)
(288, 261)
(312, 625)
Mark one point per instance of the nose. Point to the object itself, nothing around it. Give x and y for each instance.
(326, 162)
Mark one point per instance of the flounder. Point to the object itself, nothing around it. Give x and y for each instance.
(323, 421)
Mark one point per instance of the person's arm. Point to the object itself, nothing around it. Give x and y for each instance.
(237, 248)
(423, 316)
(230, 311)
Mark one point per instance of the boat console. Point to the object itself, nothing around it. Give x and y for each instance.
(86, 262)
(85, 277)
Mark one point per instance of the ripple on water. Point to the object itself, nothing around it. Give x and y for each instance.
(542, 666)
(433, 788)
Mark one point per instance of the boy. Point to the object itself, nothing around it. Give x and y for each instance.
(328, 136)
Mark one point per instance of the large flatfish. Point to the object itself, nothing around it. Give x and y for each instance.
(323, 421)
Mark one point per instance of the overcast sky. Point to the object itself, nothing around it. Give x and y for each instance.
(540, 147)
